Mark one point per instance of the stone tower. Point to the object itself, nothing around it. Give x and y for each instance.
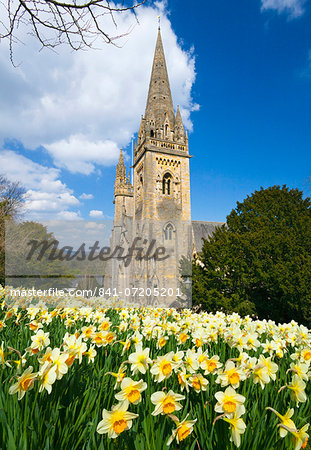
(162, 180)
(157, 208)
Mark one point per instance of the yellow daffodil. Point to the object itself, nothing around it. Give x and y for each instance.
(118, 375)
(24, 383)
(191, 361)
(229, 402)
(198, 382)
(285, 420)
(297, 387)
(46, 377)
(237, 427)
(230, 375)
(140, 360)
(163, 367)
(59, 360)
(182, 377)
(40, 340)
(184, 428)
(116, 421)
(300, 437)
(211, 364)
(166, 403)
(131, 390)
(90, 353)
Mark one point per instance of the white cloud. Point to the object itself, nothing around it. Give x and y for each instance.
(83, 106)
(97, 214)
(46, 195)
(49, 201)
(86, 196)
(77, 231)
(85, 153)
(69, 215)
(292, 7)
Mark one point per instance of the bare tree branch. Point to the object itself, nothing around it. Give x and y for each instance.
(77, 23)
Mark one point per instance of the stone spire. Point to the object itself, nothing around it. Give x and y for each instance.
(121, 170)
(159, 101)
(159, 129)
(179, 127)
(122, 185)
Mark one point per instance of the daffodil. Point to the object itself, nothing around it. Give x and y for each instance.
(140, 360)
(272, 367)
(211, 364)
(24, 383)
(2, 355)
(98, 338)
(166, 403)
(300, 437)
(300, 369)
(131, 390)
(162, 341)
(59, 360)
(260, 375)
(178, 358)
(163, 367)
(230, 375)
(237, 427)
(87, 331)
(285, 420)
(46, 377)
(229, 402)
(198, 382)
(297, 387)
(184, 428)
(182, 338)
(116, 421)
(191, 361)
(40, 340)
(118, 375)
(90, 353)
(182, 377)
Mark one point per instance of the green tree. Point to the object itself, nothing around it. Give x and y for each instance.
(260, 260)
(11, 203)
(28, 267)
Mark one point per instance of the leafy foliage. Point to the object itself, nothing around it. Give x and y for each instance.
(260, 260)
(11, 203)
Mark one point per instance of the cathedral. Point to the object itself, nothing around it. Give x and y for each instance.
(155, 211)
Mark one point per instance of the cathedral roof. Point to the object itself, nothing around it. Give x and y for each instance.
(159, 101)
(203, 230)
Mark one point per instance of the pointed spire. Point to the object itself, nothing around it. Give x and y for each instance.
(121, 170)
(159, 101)
(178, 119)
(122, 185)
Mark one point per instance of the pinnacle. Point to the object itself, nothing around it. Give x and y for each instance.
(121, 170)
(159, 101)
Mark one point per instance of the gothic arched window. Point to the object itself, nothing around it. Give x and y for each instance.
(166, 184)
(168, 232)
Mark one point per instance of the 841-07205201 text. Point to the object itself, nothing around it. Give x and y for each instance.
(138, 292)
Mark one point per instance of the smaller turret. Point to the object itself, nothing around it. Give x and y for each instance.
(122, 185)
(179, 128)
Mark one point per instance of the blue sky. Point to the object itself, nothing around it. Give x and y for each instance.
(241, 72)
